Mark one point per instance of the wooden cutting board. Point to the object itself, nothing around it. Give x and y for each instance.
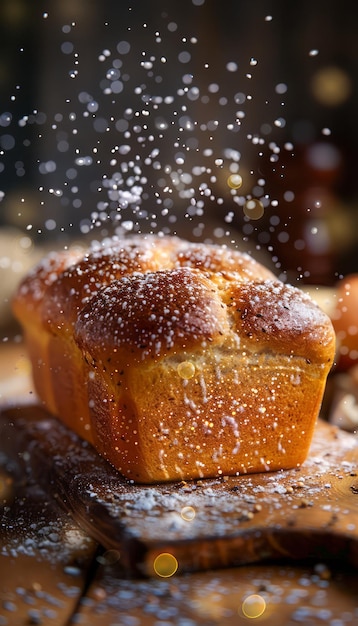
(310, 512)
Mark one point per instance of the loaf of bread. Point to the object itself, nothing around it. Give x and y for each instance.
(176, 360)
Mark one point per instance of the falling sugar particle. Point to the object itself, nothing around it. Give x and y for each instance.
(280, 122)
(281, 88)
(232, 66)
(187, 172)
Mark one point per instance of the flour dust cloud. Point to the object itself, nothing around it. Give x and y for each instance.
(149, 127)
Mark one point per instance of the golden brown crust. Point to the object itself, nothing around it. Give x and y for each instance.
(37, 282)
(151, 315)
(97, 268)
(177, 360)
(280, 318)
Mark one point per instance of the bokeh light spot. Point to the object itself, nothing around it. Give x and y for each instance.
(331, 86)
(254, 209)
(253, 606)
(165, 565)
(6, 488)
(188, 513)
(234, 181)
(110, 557)
(186, 370)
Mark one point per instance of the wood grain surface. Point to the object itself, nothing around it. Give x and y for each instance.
(311, 512)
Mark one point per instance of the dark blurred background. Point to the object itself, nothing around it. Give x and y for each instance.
(119, 116)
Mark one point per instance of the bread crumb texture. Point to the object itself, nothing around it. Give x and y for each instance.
(176, 360)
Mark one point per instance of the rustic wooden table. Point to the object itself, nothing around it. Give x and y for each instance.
(59, 566)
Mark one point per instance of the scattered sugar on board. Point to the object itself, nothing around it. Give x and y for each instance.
(216, 503)
(54, 540)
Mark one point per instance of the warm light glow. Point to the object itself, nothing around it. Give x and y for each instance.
(234, 181)
(186, 370)
(188, 513)
(253, 606)
(254, 209)
(331, 86)
(165, 565)
(6, 488)
(23, 365)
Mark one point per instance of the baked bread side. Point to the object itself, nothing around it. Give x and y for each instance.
(28, 307)
(187, 360)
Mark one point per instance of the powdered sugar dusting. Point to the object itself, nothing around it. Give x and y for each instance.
(128, 312)
(147, 133)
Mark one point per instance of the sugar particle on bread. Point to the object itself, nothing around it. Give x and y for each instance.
(176, 360)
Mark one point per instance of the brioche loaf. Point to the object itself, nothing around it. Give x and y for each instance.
(176, 360)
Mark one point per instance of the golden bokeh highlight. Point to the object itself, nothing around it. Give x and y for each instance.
(165, 565)
(186, 370)
(188, 513)
(331, 86)
(234, 181)
(254, 209)
(253, 606)
(6, 488)
(110, 557)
